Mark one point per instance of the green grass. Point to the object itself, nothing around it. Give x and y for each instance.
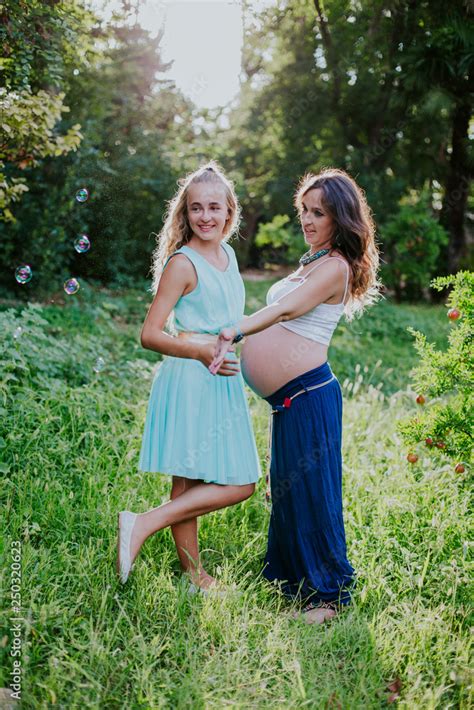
(69, 445)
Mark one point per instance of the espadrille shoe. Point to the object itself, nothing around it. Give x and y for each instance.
(126, 522)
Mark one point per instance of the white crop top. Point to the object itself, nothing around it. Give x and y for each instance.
(320, 322)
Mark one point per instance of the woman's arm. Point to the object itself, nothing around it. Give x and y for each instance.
(299, 301)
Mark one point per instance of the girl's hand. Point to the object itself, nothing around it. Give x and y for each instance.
(223, 345)
(227, 367)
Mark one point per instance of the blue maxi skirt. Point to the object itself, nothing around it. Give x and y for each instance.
(306, 551)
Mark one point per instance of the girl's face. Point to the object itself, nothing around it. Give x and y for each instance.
(318, 225)
(207, 210)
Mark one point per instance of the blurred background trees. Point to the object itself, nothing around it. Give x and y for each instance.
(383, 90)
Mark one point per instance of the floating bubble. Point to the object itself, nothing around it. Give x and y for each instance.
(82, 244)
(82, 195)
(99, 364)
(23, 274)
(71, 286)
(18, 331)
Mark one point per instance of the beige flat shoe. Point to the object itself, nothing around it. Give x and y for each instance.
(126, 522)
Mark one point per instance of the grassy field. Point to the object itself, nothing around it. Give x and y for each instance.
(69, 445)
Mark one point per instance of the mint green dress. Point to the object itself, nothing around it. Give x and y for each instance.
(198, 425)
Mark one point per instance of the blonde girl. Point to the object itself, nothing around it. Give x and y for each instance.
(198, 427)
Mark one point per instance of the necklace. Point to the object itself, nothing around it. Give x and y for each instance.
(307, 259)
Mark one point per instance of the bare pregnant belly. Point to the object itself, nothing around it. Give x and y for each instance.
(275, 356)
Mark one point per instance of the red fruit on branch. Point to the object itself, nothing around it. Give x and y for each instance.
(440, 444)
(454, 314)
(420, 399)
(429, 441)
(459, 468)
(412, 458)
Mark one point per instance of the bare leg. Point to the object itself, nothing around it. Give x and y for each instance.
(185, 536)
(198, 500)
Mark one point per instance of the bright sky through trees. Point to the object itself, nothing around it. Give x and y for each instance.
(203, 38)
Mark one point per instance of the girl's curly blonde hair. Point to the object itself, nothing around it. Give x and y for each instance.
(354, 233)
(176, 230)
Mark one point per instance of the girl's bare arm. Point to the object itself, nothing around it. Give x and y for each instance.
(177, 276)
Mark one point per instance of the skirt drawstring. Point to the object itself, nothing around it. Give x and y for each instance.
(268, 495)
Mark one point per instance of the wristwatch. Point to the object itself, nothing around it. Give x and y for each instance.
(238, 337)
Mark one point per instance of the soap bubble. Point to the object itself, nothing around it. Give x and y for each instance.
(18, 331)
(99, 364)
(82, 195)
(71, 286)
(82, 244)
(23, 274)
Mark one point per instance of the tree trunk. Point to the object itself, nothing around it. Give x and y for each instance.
(244, 246)
(456, 187)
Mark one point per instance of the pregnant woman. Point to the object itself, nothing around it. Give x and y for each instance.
(285, 362)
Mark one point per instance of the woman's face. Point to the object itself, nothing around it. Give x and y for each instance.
(207, 210)
(316, 222)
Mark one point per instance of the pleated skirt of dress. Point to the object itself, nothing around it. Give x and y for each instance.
(198, 426)
(306, 550)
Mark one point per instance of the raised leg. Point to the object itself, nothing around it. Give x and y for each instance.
(194, 501)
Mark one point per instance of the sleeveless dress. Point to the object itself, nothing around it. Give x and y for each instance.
(198, 425)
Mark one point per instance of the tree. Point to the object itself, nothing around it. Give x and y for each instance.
(446, 377)
(35, 37)
(128, 160)
(440, 58)
(328, 84)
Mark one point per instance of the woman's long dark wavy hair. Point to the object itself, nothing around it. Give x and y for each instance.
(354, 233)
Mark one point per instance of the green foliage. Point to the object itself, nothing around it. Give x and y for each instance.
(28, 122)
(69, 455)
(129, 160)
(360, 86)
(37, 39)
(47, 357)
(446, 377)
(382, 106)
(411, 243)
(280, 243)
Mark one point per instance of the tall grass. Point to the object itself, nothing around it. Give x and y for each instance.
(69, 444)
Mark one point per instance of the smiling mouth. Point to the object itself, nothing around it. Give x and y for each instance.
(206, 226)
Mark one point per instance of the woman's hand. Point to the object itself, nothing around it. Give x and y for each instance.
(223, 345)
(227, 366)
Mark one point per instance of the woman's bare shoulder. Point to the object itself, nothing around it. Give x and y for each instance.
(339, 255)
